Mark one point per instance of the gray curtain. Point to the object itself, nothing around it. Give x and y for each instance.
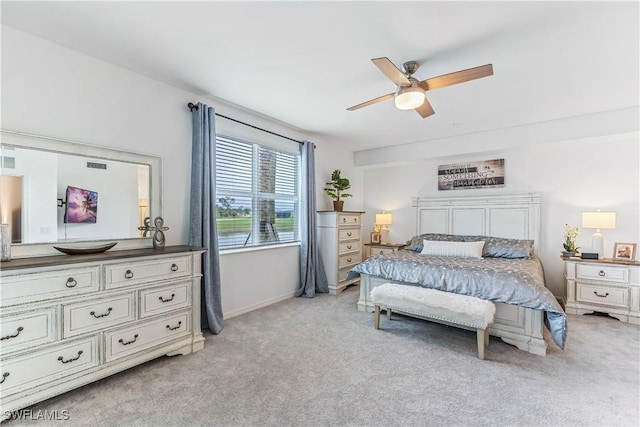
(312, 275)
(202, 229)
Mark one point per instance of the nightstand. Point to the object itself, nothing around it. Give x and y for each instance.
(605, 285)
(382, 249)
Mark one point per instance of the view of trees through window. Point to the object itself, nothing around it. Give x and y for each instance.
(256, 194)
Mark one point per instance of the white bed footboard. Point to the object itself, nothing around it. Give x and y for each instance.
(516, 325)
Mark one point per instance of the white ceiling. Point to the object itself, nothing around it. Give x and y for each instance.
(304, 63)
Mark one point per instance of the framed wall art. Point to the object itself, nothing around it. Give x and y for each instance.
(463, 176)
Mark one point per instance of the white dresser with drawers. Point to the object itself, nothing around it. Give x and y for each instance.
(340, 243)
(66, 321)
(606, 286)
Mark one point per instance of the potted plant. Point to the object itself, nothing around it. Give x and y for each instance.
(569, 245)
(335, 189)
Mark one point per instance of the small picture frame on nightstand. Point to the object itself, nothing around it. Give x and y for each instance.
(624, 251)
(375, 237)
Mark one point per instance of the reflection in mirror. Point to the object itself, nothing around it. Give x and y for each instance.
(57, 191)
(11, 205)
(56, 203)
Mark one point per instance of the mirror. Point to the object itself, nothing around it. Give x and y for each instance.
(55, 192)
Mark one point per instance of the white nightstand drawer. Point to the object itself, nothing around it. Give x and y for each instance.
(344, 248)
(348, 219)
(602, 273)
(348, 259)
(27, 329)
(607, 295)
(127, 341)
(28, 286)
(378, 250)
(99, 314)
(47, 365)
(349, 234)
(125, 274)
(161, 300)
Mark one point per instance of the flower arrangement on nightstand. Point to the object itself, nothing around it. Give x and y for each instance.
(569, 245)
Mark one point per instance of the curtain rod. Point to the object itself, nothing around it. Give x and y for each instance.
(192, 106)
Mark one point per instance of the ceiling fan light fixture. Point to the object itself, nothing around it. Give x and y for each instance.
(409, 98)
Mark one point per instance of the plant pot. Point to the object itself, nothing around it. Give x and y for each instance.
(337, 205)
(568, 254)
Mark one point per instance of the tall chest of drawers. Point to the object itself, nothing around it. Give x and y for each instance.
(66, 321)
(340, 243)
(606, 286)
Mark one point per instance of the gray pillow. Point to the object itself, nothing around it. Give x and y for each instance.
(415, 244)
(498, 247)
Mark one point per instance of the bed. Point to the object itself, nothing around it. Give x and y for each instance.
(516, 284)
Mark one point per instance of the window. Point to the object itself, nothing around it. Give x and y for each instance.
(257, 196)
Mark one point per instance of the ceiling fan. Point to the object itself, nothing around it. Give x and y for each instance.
(410, 93)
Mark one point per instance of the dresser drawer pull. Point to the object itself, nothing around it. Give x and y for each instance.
(348, 246)
(135, 338)
(381, 252)
(8, 337)
(168, 299)
(348, 259)
(4, 377)
(344, 219)
(174, 267)
(71, 282)
(72, 359)
(349, 233)
(175, 327)
(601, 296)
(128, 274)
(97, 316)
(601, 273)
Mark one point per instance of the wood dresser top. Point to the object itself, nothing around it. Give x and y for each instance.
(62, 259)
(602, 260)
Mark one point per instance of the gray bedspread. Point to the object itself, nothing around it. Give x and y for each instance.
(511, 281)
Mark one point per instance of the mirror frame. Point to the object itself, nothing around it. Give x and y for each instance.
(10, 138)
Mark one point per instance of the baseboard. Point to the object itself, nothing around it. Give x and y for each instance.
(261, 304)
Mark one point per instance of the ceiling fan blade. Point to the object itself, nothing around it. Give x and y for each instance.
(425, 110)
(372, 101)
(457, 77)
(391, 71)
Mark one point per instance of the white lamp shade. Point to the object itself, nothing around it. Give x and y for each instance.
(384, 219)
(599, 220)
(409, 98)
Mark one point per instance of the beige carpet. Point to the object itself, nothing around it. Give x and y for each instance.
(320, 362)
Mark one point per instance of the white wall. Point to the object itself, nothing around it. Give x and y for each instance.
(53, 91)
(572, 176)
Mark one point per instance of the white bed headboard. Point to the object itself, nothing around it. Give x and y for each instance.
(515, 216)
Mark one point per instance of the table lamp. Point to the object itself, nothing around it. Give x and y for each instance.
(383, 221)
(598, 220)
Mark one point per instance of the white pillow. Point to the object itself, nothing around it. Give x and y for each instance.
(457, 249)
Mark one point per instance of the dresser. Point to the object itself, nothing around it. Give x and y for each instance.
(606, 285)
(66, 321)
(340, 243)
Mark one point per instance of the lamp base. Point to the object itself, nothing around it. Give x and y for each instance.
(597, 244)
(384, 236)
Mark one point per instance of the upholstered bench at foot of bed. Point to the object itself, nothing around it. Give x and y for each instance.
(451, 308)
